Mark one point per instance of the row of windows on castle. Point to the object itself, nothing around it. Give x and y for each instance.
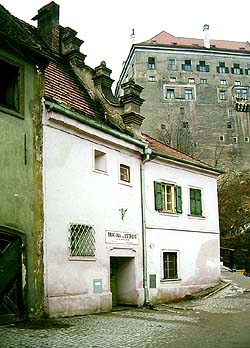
(201, 67)
(192, 80)
(187, 93)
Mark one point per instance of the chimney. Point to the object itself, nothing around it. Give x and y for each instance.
(132, 36)
(206, 36)
(132, 102)
(48, 24)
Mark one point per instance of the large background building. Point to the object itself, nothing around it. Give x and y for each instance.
(197, 95)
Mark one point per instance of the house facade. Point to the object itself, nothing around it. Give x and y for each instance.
(21, 211)
(181, 226)
(197, 95)
(107, 215)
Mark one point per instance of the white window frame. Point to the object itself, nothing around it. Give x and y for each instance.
(100, 161)
(80, 258)
(222, 94)
(203, 81)
(172, 79)
(169, 95)
(173, 65)
(223, 82)
(189, 93)
(151, 78)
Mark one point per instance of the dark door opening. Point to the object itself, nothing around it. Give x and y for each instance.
(11, 297)
(122, 281)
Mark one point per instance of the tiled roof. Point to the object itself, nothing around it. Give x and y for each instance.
(164, 38)
(158, 146)
(62, 86)
(22, 33)
(61, 83)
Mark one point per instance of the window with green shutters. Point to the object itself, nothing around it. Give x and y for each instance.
(195, 202)
(168, 197)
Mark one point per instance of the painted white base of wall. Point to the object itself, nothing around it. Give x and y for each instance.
(176, 292)
(72, 305)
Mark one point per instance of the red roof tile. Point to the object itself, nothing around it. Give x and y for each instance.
(161, 147)
(164, 38)
(63, 86)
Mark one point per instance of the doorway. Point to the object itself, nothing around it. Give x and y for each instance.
(11, 297)
(122, 281)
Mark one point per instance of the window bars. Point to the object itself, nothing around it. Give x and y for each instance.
(81, 240)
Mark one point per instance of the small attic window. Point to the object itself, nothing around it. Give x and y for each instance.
(10, 86)
(195, 44)
(213, 46)
(174, 43)
(242, 48)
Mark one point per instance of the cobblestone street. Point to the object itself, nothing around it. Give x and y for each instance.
(221, 320)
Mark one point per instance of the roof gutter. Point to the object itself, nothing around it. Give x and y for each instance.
(93, 123)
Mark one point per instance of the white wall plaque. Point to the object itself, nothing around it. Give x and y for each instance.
(121, 237)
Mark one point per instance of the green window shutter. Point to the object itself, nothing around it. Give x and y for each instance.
(218, 69)
(178, 199)
(192, 202)
(158, 195)
(226, 70)
(198, 202)
(241, 71)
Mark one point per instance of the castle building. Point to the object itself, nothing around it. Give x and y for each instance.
(197, 95)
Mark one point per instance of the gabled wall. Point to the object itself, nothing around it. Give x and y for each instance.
(75, 192)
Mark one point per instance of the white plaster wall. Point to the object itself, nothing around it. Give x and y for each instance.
(74, 192)
(195, 239)
(156, 171)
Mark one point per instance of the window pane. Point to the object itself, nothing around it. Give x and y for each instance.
(172, 64)
(170, 265)
(9, 86)
(124, 173)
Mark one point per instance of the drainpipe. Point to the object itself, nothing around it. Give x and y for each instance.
(147, 153)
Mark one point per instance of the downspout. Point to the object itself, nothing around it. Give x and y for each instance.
(147, 153)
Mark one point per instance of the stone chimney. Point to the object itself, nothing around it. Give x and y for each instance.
(206, 36)
(48, 25)
(131, 101)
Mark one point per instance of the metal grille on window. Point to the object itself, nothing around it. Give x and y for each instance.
(81, 240)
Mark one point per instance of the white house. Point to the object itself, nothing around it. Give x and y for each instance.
(93, 224)
(182, 228)
(127, 220)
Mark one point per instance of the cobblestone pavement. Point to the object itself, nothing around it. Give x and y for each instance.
(221, 320)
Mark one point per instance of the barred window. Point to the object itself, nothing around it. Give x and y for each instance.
(81, 240)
